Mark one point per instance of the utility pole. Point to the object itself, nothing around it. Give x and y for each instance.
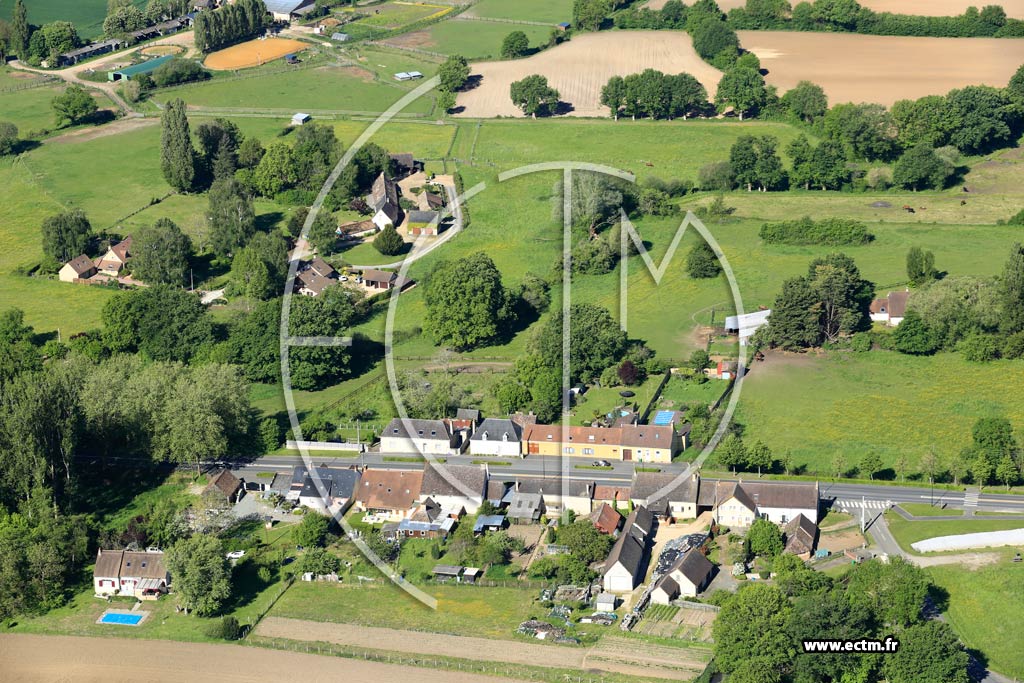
(863, 515)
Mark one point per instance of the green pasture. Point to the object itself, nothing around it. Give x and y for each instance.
(86, 15)
(907, 532)
(547, 11)
(472, 39)
(30, 109)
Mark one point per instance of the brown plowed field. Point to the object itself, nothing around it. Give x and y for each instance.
(579, 69)
(882, 69)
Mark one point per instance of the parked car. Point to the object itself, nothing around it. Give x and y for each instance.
(601, 463)
(236, 554)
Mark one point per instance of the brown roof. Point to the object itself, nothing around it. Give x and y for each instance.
(436, 482)
(801, 534)
(879, 305)
(725, 490)
(790, 494)
(389, 489)
(374, 275)
(584, 435)
(121, 249)
(384, 192)
(612, 492)
(322, 268)
(225, 482)
(309, 279)
(646, 436)
(108, 563)
(898, 304)
(606, 518)
(523, 419)
(143, 565)
(81, 264)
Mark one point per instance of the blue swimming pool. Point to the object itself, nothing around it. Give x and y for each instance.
(124, 619)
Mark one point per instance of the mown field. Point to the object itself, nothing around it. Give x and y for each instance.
(548, 11)
(471, 39)
(86, 15)
(907, 532)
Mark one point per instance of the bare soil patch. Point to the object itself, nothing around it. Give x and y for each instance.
(837, 542)
(882, 69)
(420, 39)
(33, 658)
(253, 53)
(970, 560)
(114, 128)
(163, 50)
(928, 8)
(579, 69)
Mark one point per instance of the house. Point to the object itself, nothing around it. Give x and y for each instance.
(422, 222)
(611, 494)
(727, 370)
(801, 537)
(301, 118)
(642, 443)
(891, 309)
(434, 201)
(308, 283)
(408, 75)
(334, 493)
(285, 10)
(728, 500)
(446, 572)
(744, 326)
(419, 436)
(455, 486)
(740, 503)
(688, 576)
(406, 164)
(607, 519)
(665, 495)
(383, 200)
(355, 229)
(410, 528)
(560, 494)
(322, 268)
(525, 508)
(497, 436)
(142, 575)
(499, 493)
(627, 562)
(389, 493)
(114, 261)
(487, 523)
(383, 280)
(227, 484)
(79, 268)
(605, 602)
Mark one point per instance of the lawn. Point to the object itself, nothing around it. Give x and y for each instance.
(547, 11)
(30, 109)
(471, 39)
(984, 613)
(926, 510)
(461, 610)
(680, 391)
(853, 404)
(907, 532)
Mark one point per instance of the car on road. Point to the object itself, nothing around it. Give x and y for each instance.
(236, 554)
(601, 463)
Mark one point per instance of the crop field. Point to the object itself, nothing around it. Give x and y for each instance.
(580, 68)
(853, 404)
(252, 53)
(887, 68)
(928, 8)
(545, 11)
(469, 38)
(395, 15)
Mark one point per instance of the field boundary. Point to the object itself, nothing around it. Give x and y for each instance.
(503, 20)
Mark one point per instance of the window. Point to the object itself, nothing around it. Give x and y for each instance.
(588, 451)
(569, 450)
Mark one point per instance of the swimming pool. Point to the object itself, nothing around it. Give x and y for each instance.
(123, 619)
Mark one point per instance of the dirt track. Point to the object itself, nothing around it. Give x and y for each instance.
(30, 658)
(580, 68)
(930, 8)
(882, 69)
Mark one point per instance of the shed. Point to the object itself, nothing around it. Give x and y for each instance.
(605, 602)
(340, 37)
(446, 572)
(146, 67)
(489, 523)
(301, 118)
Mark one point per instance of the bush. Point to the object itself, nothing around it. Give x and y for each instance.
(828, 231)
(178, 70)
(978, 347)
(1017, 219)
(1013, 347)
(716, 176)
(389, 242)
(227, 628)
(860, 342)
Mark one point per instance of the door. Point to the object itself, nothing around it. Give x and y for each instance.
(627, 453)
(533, 448)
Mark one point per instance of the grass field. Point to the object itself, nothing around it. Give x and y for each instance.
(926, 510)
(984, 610)
(86, 15)
(854, 403)
(471, 39)
(907, 532)
(30, 109)
(547, 11)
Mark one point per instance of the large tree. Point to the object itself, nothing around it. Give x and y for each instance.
(743, 89)
(202, 578)
(453, 73)
(533, 95)
(160, 253)
(73, 106)
(276, 170)
(752, 624)
(160, 322)
(867, 130)
(177, 155)
(515, 45)
(467, 304)
(920, 266)
(894, 591)
(329, 314)
(701, 262)
(928, 652)
(1011, 291)
(66, 235)
(807, 101)
(8, 138)
(231, 217)
(21, 31)
(920, 168)
(595, 341)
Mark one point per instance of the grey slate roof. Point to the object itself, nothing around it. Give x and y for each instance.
(525, 506)
(694, 566)
(628, 552)
(801, 535)
(435, 430)
(498, 429)
(646, 484)
(436, 483)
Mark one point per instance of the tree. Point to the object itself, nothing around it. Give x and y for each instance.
(231, 217)
(868, 130)
(20, 30)
(250, 276)
(920, 168)
(467, 304)
(250, 152)
(66, 235)
(713, 39)
(1015, 87)
(978, 347)
(319, 561)
(701, 262)
(202, 578)
(160, 322)
(585, 542)
(843, 297)
(596, 341)
(123, 20)
(8, 138)
(870, 464)
(743, 89)
(752, 624)
(920, 266)
(613, 95)
(756, 670)
(828, 166)
(177, 156)
(754, 161)
(312, 531)
(1006, 470)
(445, 100)
(732, 453)
(628, 373)
(984, 119)
(533, 95)
(453, 73)
(326, 315)
(160, 253)
(73, 106)
(588, 15)
(928, 652)
(895, 591)
(913, 336)
(686, 94)
(323, 234)
(760, 456)
(765, 538)
(515, 45)
(389, 242)
(1011, 292)
(807, 101)
(801, 153)
(276, 170)
(699, 360)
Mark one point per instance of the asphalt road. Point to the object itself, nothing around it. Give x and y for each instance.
(877, 496)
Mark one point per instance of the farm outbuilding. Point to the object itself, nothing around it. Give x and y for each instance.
(285, 10)
(129, 72)
(300, 118)
(408, 75)
(340, 37)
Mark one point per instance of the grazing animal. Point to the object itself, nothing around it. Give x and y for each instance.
(963, 202)
(965, 189)
(921, 208)
(647, 163)
(908, 209)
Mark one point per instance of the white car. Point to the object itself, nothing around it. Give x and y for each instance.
(344, 278)
(236, 555)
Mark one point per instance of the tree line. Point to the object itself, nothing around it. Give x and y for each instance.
(229, 24)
